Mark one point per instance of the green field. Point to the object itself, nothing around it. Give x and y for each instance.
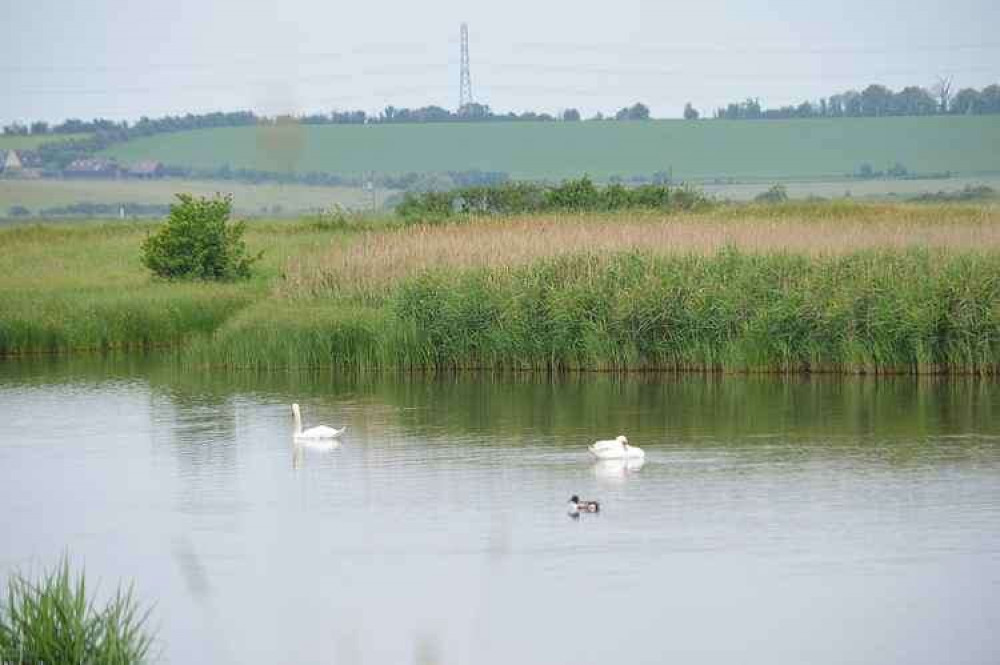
(33, 141)
(704, 150)
(248, 199)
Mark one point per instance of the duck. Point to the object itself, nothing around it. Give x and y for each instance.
(576, 506)
(617, 448)
(318, 433)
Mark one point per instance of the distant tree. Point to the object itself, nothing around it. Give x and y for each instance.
(852, 103)
(690, 112)
(776, 194)
(989, 99)
(835, 106)
(913, 100)
(876, 100)
(942, 91)
(966, 102)
(897, 170)
(637, 111)
(474, 111)
(571, 115)
(39, 127)
(15, 129)
(18, 211)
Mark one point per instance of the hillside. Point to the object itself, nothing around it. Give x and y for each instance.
(32, 141)
(746, 150)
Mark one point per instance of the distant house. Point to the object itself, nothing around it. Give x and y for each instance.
(94, 167)
(10, 162)
(147, 169)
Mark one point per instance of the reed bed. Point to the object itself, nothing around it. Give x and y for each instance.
(369, 267)
(876, 311)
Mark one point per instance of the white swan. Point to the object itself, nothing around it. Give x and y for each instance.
(615, 449)
(318, 433)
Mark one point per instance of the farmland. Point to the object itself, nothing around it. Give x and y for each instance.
(34, 140)
(36, 195)
(693, 151)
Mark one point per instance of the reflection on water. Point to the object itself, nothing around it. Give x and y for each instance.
(774, 520)
(617, 469)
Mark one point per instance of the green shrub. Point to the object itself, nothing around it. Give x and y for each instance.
(525, 198)
(426, 206)
(574, 196)
(53, 620)
(198, 242)
(776, 194)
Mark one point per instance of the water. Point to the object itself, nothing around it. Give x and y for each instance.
(820, 520)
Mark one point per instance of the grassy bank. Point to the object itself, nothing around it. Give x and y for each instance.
(82, 287)
(842, 287)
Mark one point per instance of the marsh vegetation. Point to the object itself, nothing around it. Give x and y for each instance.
(844, 287)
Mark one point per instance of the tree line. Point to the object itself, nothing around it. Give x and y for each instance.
(123, 130)
(874, 101)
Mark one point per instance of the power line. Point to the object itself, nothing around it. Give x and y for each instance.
(465, 77)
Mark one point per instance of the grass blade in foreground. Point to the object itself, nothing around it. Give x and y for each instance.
(52, 620)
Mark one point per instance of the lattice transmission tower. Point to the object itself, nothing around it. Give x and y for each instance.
(465, 80)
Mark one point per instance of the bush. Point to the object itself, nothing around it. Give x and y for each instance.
(521, 198)
(777, 194)
(198, 242)
(53, 620)
(426, 207)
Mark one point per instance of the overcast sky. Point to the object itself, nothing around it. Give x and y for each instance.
(126, 58)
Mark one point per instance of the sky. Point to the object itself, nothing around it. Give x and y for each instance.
(123, 59)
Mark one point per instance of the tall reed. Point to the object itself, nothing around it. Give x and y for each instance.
(914, 311)
(56, 620)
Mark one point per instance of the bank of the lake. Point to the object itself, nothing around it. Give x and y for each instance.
(841, 287)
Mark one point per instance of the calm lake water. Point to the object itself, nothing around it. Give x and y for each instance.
(823, 520)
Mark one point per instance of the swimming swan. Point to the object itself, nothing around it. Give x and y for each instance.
(615, 449)
(313, 433)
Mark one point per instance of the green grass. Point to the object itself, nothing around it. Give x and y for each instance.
(31, 142)
(248, 199)
(82, 287)
(56, 620)
(695, 150)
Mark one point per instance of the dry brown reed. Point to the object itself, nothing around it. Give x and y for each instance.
(369, 266)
